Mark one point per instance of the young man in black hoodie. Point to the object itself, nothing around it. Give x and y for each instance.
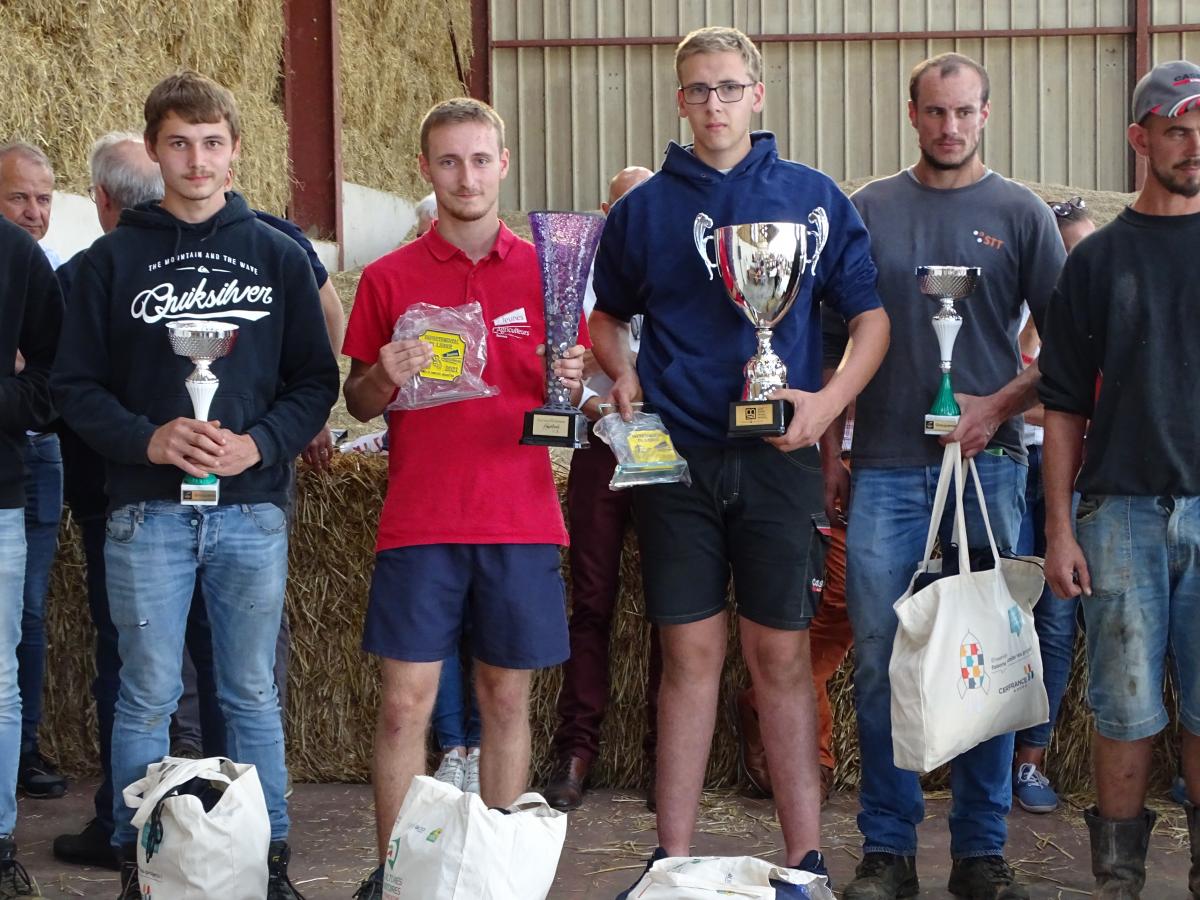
(200, 254)
(30, 316)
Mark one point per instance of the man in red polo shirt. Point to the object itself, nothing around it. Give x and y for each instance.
(471, 524)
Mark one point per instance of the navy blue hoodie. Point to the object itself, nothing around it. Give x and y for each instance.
(116, 378)
(695, 342)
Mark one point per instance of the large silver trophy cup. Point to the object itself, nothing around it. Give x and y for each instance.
(762, 266)
(946, 284)
(566, 245)
(202, 342)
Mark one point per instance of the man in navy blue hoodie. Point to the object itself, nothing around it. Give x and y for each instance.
(199, 254)
(748, 509)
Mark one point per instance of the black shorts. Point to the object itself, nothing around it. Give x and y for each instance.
(747, 512)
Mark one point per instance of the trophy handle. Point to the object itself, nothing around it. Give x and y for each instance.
(820, 223)
(701, 225)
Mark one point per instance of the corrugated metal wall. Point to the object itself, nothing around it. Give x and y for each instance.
(577, 114)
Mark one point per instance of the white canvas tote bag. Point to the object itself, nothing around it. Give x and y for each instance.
(722, 878)
(447, 845)
(186, 852)
(966, 665)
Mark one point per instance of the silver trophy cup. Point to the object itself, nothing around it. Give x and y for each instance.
(202, 342)
(762, 266)
(946, 284)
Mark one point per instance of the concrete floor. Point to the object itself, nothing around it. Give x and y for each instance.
(608, 840)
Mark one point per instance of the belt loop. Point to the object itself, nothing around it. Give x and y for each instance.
(140, 513)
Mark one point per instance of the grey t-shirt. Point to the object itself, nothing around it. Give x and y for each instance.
(996, 224)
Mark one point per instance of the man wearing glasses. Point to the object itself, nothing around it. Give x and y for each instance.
(748, 509)
(947, 209)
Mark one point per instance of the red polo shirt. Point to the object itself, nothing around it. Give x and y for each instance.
(457, 473)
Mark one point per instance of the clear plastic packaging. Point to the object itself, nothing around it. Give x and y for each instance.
(458, 336)
(644, 452)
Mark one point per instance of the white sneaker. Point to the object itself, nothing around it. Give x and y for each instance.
(453, 770)
(471, 779)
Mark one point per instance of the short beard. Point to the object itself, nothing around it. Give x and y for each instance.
(934, 163)
(1188, 189)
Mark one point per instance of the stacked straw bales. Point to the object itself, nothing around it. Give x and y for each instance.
(73, 70)
(334, 686)
(399, 58)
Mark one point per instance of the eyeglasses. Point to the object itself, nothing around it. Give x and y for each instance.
(1064, 209)
(92, 193)
(727, 92)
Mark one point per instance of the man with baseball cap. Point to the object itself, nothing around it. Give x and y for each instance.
(1126, 306)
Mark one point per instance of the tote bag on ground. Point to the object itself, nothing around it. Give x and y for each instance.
(725, 878)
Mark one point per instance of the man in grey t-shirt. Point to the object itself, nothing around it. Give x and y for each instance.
(947, 209)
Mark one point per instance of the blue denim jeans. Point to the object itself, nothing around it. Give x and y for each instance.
(12, 574)
(455, 710)
(1143, 555)
(43, 509)
(889, 518)
(1054, 618)
(154, 554)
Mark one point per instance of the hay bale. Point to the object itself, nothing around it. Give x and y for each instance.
(73, 71)
(398, 60)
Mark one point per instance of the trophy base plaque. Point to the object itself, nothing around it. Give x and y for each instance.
(204, 491)
(939, 425)
(556, 428)
(749, 418)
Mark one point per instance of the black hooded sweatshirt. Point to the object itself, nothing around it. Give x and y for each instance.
(116, 378)
(30, 316)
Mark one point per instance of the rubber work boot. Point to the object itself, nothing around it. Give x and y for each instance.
(1194, 835)
(985, 878)
(883, 876)
(1119, 853)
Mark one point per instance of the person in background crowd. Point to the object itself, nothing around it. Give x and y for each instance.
(1055, 619)
(597, 517)
(26, 195)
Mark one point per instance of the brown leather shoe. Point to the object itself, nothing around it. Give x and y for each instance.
(826, 784)
(752, 756)
(564, 790)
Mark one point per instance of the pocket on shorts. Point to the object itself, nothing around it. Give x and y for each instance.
(1089, 508)
(122, 524)
(806, 458)
(268, 518)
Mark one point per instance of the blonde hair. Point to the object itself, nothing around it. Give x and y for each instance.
(455, 112)
(718, 39)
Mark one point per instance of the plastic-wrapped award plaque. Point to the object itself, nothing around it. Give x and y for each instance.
(644, 452)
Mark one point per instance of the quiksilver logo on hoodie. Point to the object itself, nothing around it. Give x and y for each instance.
(161, 302)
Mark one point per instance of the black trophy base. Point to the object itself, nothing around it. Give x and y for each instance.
(556, 428)
(755, 418)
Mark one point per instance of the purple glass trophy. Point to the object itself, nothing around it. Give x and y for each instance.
(566, 244)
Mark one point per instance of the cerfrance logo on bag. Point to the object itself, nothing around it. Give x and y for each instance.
(1020, 657)
(971, 668)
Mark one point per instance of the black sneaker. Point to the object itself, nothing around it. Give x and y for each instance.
(371, 887)
(814, 863)
(279, 886)
(883, 876)
(91, 847)
(185, 749)
(38, 778)
(985, 878)
(131, 888)
(14, 880)
(659, 853)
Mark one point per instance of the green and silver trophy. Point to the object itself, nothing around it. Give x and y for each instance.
(202, 342)
(946, 284)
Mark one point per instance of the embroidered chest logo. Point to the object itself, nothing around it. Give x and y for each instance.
(982, 237)
(512, 324)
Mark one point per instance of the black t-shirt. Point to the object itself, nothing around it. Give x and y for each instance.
(1128, 308)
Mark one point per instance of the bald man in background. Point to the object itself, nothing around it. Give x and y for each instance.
(597, 521)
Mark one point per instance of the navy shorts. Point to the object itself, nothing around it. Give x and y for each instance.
(512, 595)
